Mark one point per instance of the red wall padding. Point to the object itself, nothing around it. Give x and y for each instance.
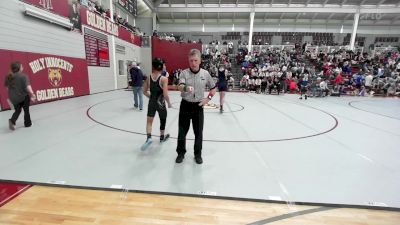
(49, 81)
(174, 53)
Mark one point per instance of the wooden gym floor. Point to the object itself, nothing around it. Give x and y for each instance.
(67, 206)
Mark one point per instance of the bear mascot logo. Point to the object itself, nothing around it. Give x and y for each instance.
(55, 77)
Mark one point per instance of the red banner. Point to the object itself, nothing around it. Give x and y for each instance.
(81, 15)
(52, 77)
(65, 8)
(99, 22)
(60, 7)
(129, 37)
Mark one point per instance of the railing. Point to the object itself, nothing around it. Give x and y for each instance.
(383, 50)
(330, 49)
(212, 47)
(277, 48)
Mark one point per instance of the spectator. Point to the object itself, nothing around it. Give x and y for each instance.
(324, 88)
(339, 83)
(137, 84)
(359, 80)
(368, 83)
(20, 94)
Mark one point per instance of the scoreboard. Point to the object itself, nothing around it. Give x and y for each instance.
(96, 48)
(129, 5)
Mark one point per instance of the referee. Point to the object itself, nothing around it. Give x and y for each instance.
(192, 85)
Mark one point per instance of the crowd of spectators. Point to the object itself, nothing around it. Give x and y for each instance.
(174, 38)
(321, 73)
(318, 74)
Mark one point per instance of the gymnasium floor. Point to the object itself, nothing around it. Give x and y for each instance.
(265, 147)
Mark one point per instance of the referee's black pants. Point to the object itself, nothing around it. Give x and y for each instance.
(190, 111)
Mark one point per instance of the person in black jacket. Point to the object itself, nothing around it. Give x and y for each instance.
(137, 83)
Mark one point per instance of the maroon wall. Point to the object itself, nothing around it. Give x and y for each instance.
(174, 53)
(52, 77)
